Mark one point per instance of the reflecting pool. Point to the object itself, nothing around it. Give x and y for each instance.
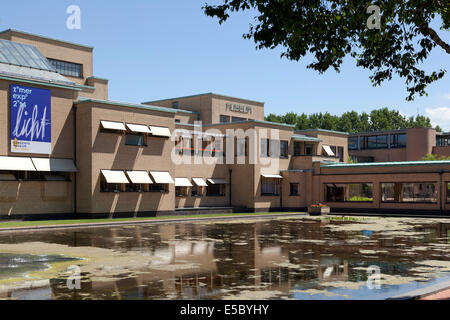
(285, 258)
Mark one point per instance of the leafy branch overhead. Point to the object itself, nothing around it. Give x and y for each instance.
(330, 30)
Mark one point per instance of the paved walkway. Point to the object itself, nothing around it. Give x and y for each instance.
(443, 295)
(175, 219)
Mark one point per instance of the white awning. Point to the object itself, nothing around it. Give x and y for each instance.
(113, 176)
(160, 131)
(16, 164)
(217, 181)
(162, 177)
(109, 125)
(272, 176)
(200, 182)
(139, 177)
(54, 165)
(328, 151)
(182, 182)
(138, 128)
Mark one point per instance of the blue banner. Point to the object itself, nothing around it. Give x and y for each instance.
(31, 116)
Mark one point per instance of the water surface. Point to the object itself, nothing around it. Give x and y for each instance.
(288, 258)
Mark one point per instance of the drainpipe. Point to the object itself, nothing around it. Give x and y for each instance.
(75, 208)
(229, 179)
(441, 172)
(281, 195)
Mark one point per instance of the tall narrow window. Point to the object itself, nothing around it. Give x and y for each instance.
(283, 149)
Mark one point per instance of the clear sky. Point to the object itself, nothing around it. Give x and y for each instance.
(155, 49)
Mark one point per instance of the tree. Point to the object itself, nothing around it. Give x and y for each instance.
(333, 29)
(433, 157)
(353, 122)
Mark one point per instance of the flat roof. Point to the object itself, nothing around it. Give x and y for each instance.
(132, 105)
(204, 94)
(45, 38)
(387, 164)
(322, 130)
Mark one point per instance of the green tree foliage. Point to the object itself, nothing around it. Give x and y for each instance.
(433, 157)
(353, 122)
(330, 30)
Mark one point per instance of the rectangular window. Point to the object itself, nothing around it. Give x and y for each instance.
(409, 192)
(197, 191)
(224, 119)
(163, 188)
(297, 148)
(269, 187)
(284, 149)
(274, 148)
(135, 140)
(134, 188)
(44, 176)
(363, 143)
(294, 190)
(110, 187)
(340, 153)
(175, 105)
(241, 147)
(377, 142)
(264, 150)
(309, 150)
(180, 191)
(237, 119)
(215, 190)
(398, 141)
(349, 192)
(67, 68)
(353, 143)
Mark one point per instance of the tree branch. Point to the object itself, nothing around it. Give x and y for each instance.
(435, 37)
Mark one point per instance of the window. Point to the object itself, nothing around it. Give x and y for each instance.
(377, 142)
(340, 153)
(309, 149)
(353, 143)
(274, 148)
(46, 176)
(241, 147)
(180, 191)
(264, 152)
(177, 121)
(67, 68)
(224, 119)
(398, 141)
(197, 191)
(175, 105)
(12, 175)
(110, 187)
(408, 192)
(215, 190)
(297, 148)
(349, 192)
(294, 190)
(237, 119)
(269, 187)
(283, 149)
(135, 140)
(163, 188)
(373, 142)
(134, 188)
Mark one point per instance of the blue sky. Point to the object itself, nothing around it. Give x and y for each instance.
(168, 48)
